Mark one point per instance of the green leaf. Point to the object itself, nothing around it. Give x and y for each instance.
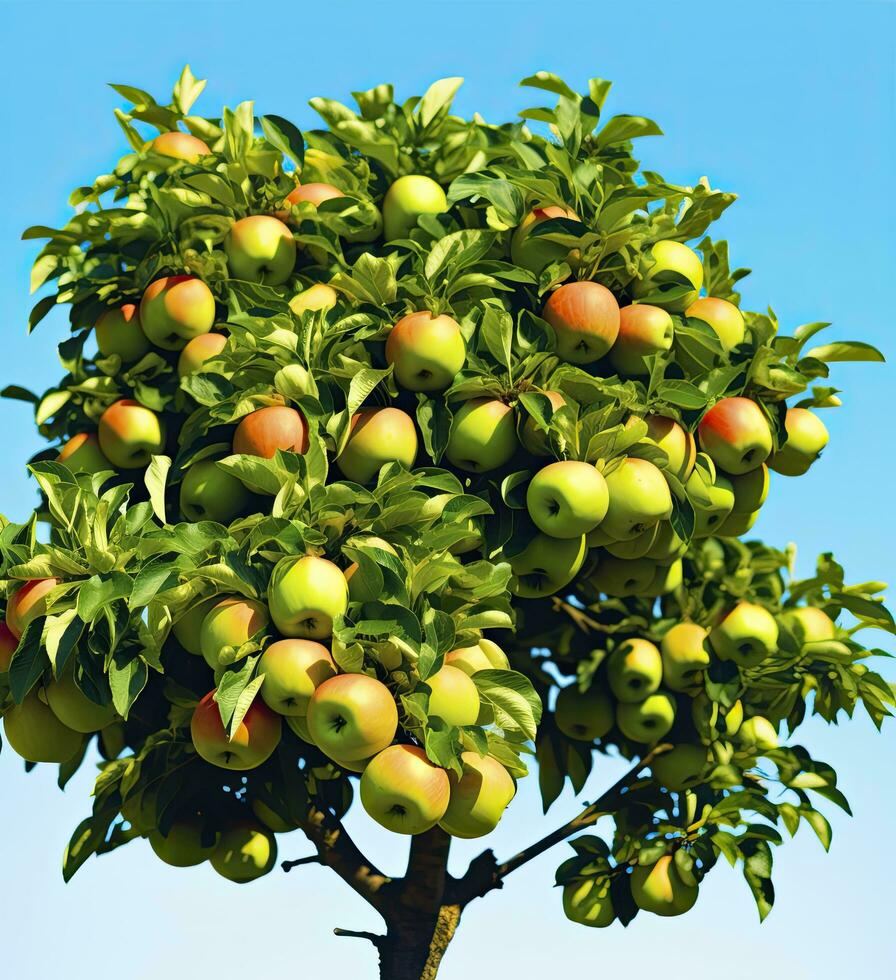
(846, 350)
(155, 478)
(283, 135)
(622, 128)
(126, 680)
(512, 697)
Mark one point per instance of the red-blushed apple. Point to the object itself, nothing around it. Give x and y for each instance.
(643, 330)
(209, 493)
(546, 565)
(682, 767)
(293, 669)
(352, 717)
(485, 655)
(589, 903)
(320, 296)
(185, 845)
(482, 435)
(205, 347)
(36, 734)
(535, 439)
(675, 441)
(228, 625)
(634, 670)
(673, 270)
(130, 434)
(478, 798)
(567, 499)
(180, 146)
(407, 199)
(725, 318)
(176, 309)
(28, 603)
(453, 696)
(305, 595)
(264, 431)
(314, 193)
(646, 721)
(583, 715)
(253, 742)
(9, 643)
(535, 252)
(260, 249)
(660, 888)
(118, 331)
(72, 706)
(187, 628)
(244, 852)
(377, 436)
(639, 498)
(425, 351)
(585, 318)
(807, 435)
(736, 435)
(686, 656)
(810, 624)
(403, 791)
(747, 635)
(82, 454)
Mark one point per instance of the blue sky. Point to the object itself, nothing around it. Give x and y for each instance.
(789, 104)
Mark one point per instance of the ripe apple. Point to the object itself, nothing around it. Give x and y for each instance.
(643, 330)
(36, 734)
(747, 635)
(659, 888)
(535, 252)
(176, 309)
(758, 734)
(634, 670)
(73, 708)
(264, 431)
(750, 490)
(180, 146)
(293, 670)
(28, 603)
(482, 435)
(675, 441)
(407, 199)
(666, 268)
(639, 498)
(806, 437)
(320, 296)
(260, 249)
(648, 720)
(453, 696)
(583, 715)
(245, 852)
(228, 625)
(567, 499)
(534, 439)
(585, 318)
(426, 351)
(810, 624)
(82, 454)
(681, 767)
(197, 351)
(546, 565)
(10, 643)
(619, 577)
(685, 657)
(209, 493)
(636, 547)
(187, 628)
(252, 744)
(118, 331)
(403, 791)
(588, 902)
(725, 318)
(186, 844)
(352, 717)
(377, 436)
(735, 525)
(485, 655)
(479, 798)
(305, 595)
(712, 503)
(130, 434)
(736, 435)
(314, 193)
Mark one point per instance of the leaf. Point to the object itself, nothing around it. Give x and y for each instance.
(283, 135)
(683, 394)
(622, 128)
(846, 350)
(98, 592)
(126, 681)
(28, 662)
(437, 99)
(515, 702)
(155, 479)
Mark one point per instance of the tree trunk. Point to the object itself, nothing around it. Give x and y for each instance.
(414, 944)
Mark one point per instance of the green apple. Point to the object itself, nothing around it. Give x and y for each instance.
(260, 249)
(187, 628)
(534, 439)
(666, 579)
(179, 146)
(735, 525)
(659, 888)
(478, 798)
(619, 577)
(73, 708)
(425, 351)
(686, 656)
(485, 655)
(482, 435)
(82, 454)
(681, 767)
(407, 199)
(758, 734)
(536, 252)
(271, 819)
(806, 437)
(130, 434)
(734, 718)
(736, 435)
(403, 791)
(253, 742)
(228, 625)
(639, 498)
(637, 547)
(293, 670)
(667, 545)
(318, 296)
(305, 595)
(358, 589)
(118, 332)
(185, 845)
(746, 636)
(546, 565)
(377, 436)
(210, 493)
(585, 319)
(750, 490)
(675, 441)
(810, 624)
(176, 309)
(583, 715)
(671, 269)
(634, 670)
(643, 330)
(245, 852)
(589, 903)
(725, 319)
(646, 721)
(37, 735)
(264, 431)
(352, 717)
(453, 696)
(197, 351)
(712, 502)
(27, 603)
(567, 499)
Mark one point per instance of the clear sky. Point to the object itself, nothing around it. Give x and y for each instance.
(789, 104)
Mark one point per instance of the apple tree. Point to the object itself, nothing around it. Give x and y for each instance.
(397, 459)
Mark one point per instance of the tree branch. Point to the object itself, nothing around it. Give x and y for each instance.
(311, 859)
(371, 937)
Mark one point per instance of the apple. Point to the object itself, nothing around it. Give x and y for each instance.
(180, 146)
(659, 888)
(667, 545)
(9, 643)
(209, 493)
(130, 434)
(725, 318)
(639, 498)
(37, 735)
(736, 435)
(583, 715)
(810, 624)
(403, 791)
(28, 603)
(482, 435)
(712, 503)
(260, 249)
(320, 296)
(746, 636)
(314, 193)
(176, 309)
(305, 595)
(666, 579)
(589, 903)
(735, 525)
(228, 625)
(185, 845)
(758, 734)
(73, 708)
(585, 318)
(665, 269)
(485, 655)
(648, 720)
(675, 441)
(734, 718)
(187, 628)
(681, 767)
(634, 670)
(619, 577)
(806, 437)
(82, 454)
(685, 657)
(643, 330)
(269, 818)
(407, 199)
(253, 743)
(245, 852)
(118, 332)
(546, 565)
(352, 717)
(264, 431)
(360, 590)
(197, 351)
(750, 490)
(534, 439)
(293, 670)
(567, 499)
(478, 798)
(425, 351)
(453, 696)
(636, 547)
(377, 436)
(535, 252)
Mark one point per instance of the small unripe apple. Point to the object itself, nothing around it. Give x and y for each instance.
(200, 349)
(620, 577)
(28, 603)
(659, 888)
(244, 852)
(185, 845)
(118, 331)
(535, 252)
(735, 525)
(747, 635)
(685, 656)
(453, 696)
(36, 734)
(352, 717)
(130, 434)
(681, 767)
(546, 565)
(293, 670)
(482, 435)
(73, 708)
(639, 498)
(665, 269)
(180, 146)
(403, 791)
(806, 437)
(736, 435)
(209, 493)
(725, 318)
(758, 734)
(228, 625)
(667, 545)
(534, 439)
(712, 502)
(425, 351)
(634, 670)
(637, 547)
(585, 318)
(583, 715)
(407, 199)
(478, 798)
(567, 499)
(750, 490)
(305, 595)
(253, 743)
(646, 721)
(176, 309)
(810, 624)
(643, 330)
(187, 628)
(486, 655)
(82, 454)
(675, 441)
(589, 903)
(666, 579)
(260, 249)
(377, 436)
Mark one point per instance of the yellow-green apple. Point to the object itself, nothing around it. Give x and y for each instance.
(746, 636)
(209, 493)
(9, 644)
(293, 670)
(735, 525)
(228, 625)
(810, 624)
(535, 252)
(72, 706)
(130, 434)
(482, 435)
(583, 715)
(377, 436)
(305, 595)
(407, 199)
(176, 309)
(28, 603)
(648, 720)
(639, 498)
(180, 146)
(425, 351)
(403, 791)
(244, 852)
(588, 902)
(725, 319)
(666, 268)
(666, 579)
(758, 734)
(807, 435)
(667, 545)
(643, 330)
(659, 888)
(534, 439)
(453, 696)
(197, 351)
(620, 577)
(675, 441)
(546, 565)
(82, 454)
(750, 490)
(271, 819)
(264, 431)
(358, 589)
(185, 845)
(478, 798)
(187, 628)
(736, 435)
(712, 502)
(261, 249)
(636, 547)
(681, 767)
(634, 670)
(585, 318)
(485, 655)
(118, 331)
(734, 718)
(254, 741)
(567, 499)
(685, 657)
(320, 296)
(36, 734)
(352, 717)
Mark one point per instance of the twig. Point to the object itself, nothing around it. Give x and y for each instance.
(371, 937)
(311, 859)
